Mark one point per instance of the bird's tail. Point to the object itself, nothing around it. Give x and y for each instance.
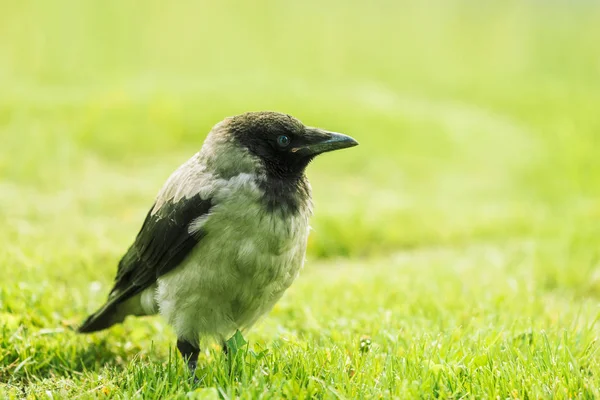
(105, 317)
(120, 304)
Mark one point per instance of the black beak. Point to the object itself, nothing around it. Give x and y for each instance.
(319, 141)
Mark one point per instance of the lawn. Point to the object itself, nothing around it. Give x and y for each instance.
(454, 254)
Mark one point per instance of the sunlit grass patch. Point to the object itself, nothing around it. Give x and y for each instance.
(454, 253)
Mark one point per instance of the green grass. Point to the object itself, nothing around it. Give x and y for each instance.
(455, 253)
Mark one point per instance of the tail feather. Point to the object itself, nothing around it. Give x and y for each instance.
(104, 318)
(118, 306)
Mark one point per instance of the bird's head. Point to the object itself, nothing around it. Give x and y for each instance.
(279, 143)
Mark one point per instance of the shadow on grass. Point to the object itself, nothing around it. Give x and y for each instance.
(28, 358)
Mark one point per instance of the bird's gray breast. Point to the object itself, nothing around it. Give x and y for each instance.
(248, 257)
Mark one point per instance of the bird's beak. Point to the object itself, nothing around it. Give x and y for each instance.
(320, 141)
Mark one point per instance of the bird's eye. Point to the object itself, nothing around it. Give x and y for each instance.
(283, 140)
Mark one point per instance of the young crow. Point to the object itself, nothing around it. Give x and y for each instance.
(227, 233)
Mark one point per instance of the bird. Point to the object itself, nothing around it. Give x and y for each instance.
(226, 235)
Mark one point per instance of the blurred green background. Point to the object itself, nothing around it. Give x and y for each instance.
(475, 120)
(479, 125)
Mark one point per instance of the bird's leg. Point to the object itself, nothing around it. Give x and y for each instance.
(189, 352)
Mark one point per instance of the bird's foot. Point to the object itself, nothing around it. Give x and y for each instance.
(190, 353)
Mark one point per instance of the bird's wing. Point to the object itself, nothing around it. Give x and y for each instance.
(171, 230)
(168, 236)
(164, 241)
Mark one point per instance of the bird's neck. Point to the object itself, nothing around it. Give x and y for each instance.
(287, 194)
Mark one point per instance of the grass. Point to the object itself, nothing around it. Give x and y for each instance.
(454, 253)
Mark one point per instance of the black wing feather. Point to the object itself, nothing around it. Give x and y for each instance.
(162, 244)
(164, 241)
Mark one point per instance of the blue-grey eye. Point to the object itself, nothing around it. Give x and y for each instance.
(283, 140)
